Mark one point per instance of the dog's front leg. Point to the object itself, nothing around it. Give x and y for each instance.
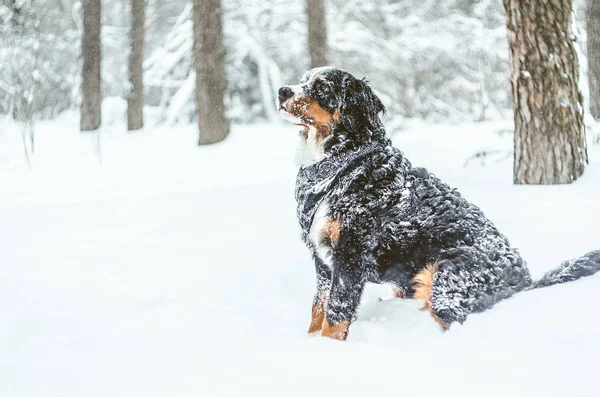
(320, 301)
(347, 285)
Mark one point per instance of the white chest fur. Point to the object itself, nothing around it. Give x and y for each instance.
(315, 233)
(311, 148)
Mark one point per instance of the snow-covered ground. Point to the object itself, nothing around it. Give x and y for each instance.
(177, 270)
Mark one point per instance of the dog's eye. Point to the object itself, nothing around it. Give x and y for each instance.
(322, 87)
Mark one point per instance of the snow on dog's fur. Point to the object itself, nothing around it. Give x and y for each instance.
(368, 215)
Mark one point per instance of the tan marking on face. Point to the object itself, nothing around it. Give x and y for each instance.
(318, 315)
(331, 230)
(315, 112)
(422, 284)
(337, 331)
(315, 118)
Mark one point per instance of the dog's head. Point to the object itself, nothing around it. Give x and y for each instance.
(328, 99)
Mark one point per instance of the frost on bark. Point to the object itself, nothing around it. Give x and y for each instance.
(593, 55)
(135, 97)
(209, 62)
(549, 137)
(90, 75)
(317, 32)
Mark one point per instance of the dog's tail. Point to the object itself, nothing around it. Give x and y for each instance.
(570, 270)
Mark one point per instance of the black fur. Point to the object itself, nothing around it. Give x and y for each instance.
(570, 270)
(359, 106)
(397, 219)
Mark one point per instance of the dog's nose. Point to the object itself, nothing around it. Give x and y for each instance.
(285, 93)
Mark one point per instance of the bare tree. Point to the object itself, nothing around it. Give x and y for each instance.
(593, 55)
(317, 32)
(209, 62)
(91, 52)
(135, 98)
(549, 137)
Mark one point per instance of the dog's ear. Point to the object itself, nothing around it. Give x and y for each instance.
(359, 107)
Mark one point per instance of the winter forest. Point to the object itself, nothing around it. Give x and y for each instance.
(436, 62)
(149, 244)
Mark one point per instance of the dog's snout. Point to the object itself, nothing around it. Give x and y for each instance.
(285, 93)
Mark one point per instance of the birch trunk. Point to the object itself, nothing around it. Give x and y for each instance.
(91, 98)
(209, 62)
(135, 99)
(317, 32)
(549, 139)
(593, 54)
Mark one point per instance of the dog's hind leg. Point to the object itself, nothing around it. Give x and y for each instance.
(422, 289)
(472, 282)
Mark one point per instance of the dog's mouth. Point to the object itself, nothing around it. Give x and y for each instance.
(283, 108)
(287, 115)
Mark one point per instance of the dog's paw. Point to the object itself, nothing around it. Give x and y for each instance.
(337, 331)
(314, 329)
(317, 317)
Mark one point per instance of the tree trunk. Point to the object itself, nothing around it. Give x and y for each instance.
(90, 80)
(549, 137)
(593, 54)
(317, 32)
(211, 80)
(135, 99)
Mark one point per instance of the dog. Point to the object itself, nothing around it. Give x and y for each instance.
(368, 215)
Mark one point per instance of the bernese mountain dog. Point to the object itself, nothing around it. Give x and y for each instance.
(368, 215)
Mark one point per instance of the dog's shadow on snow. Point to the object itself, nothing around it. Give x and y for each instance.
(383, 319)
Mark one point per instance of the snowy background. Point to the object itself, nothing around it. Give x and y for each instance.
(177, 270)
(438, 60)
(139, 264)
